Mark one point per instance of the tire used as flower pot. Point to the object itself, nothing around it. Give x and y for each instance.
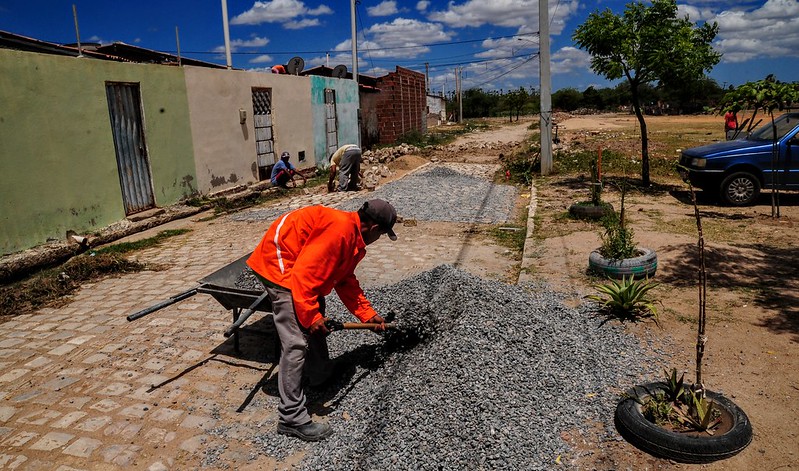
(588, 210)
(642, 266)
(733, 434)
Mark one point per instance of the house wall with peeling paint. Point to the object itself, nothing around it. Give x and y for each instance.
(347, 104)
(58, 164)
(225, 149)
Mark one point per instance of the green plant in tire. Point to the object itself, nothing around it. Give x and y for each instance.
(627, 298)
(617, 239)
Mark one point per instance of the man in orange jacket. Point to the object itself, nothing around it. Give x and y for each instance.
(303, 256)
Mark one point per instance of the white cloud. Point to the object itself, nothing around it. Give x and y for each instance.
(770, 30)
(568, 60)
(385, 8)
(422, 5)
(277, 11)
(305, 23)
(401, 38)
(509, 13)
(261, 59)
(237, 44)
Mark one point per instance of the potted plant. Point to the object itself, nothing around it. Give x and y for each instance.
(596, 208)
(618, 256)
(685, 423)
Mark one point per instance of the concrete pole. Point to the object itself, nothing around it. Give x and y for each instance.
(460, 94)
(354, 42)
(546, 88)
(77, 30)
(227, 34)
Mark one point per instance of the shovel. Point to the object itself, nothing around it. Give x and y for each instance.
(334, 325)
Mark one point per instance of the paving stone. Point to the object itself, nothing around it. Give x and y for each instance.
(40, 417)
(76, 402)
(114, 389)
(69, 468)
(13, 375)
(106, 405)
(60, 383)
(6, 412)
(193, 444)
(19, 439)
(82, 447)
(121, 455)
(138, 411)
(126, 430)
(62, 350)
(165, 414)
(38, 362)
(52, 440)
(68, 419)
(96, 358)
(94, 424)
(11, 342)
(12, 461)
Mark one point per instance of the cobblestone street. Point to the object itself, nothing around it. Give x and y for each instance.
(81, 388)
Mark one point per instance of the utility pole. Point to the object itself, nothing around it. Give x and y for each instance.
(545, 124)
(354, 42)
(227, 34)
(77, 30)
(427, 77)
(177, 40)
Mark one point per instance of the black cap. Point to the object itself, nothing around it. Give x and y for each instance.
(382, 213)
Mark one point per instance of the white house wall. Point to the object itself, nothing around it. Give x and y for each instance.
(224, 148)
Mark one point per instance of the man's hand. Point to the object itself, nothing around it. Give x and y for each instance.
(378, 320)
(319, 327)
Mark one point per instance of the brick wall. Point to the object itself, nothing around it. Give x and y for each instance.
(401, 104)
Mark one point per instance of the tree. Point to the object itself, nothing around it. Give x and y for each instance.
(647, 43)
(567, 99)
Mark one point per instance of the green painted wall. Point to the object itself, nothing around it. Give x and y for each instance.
(58, 166)
(347, 104)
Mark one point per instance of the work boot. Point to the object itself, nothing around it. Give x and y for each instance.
(310, 432)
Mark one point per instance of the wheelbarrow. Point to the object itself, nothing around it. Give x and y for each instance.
(221, 284)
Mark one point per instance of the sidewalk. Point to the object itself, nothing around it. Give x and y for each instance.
(82, 388)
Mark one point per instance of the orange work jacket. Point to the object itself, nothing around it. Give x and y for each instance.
(311, 251)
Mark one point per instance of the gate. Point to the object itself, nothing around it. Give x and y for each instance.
(264, 137)
(331, 123)
(127, 125)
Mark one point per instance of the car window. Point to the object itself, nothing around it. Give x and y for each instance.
(784, 124)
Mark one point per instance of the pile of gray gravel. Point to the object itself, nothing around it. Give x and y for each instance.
(499, 373)
(443, 194)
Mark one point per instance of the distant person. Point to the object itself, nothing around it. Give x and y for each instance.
(346, 160)
(278, 69)
(730, 125)
(283, 172)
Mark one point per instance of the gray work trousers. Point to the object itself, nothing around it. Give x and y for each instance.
(349, 168)
(299, 353)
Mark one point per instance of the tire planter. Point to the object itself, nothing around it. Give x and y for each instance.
(642, 266)
(589, 211)
(692, 447)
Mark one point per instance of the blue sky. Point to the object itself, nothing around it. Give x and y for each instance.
(493, 40)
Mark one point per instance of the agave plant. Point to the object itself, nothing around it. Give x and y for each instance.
(627, 298)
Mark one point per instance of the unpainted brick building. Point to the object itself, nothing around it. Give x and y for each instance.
(398, 108)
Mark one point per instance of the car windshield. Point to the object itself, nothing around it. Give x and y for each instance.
(783, 124)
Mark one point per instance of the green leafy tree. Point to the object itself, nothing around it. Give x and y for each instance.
(647, 43)
(567, 99)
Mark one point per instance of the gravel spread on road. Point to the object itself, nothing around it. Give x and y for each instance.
(499, 372)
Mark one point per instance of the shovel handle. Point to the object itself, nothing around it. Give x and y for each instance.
(334, 325)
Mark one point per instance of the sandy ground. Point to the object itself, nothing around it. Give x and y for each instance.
(752, 353)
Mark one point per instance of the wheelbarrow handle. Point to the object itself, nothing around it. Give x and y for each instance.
(174, 299)
(245, 315)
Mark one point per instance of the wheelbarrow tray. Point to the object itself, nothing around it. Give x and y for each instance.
(221, 284)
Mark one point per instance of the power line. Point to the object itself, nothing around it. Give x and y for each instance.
(393, 48)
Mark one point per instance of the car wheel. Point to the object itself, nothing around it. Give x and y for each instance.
(740, 189)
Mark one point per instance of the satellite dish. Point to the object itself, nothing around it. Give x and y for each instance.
(340, 71)
(295, 65)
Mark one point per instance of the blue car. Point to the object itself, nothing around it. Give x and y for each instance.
(739, 169)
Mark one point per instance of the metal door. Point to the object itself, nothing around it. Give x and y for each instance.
(264, 137)
(331, 123)
(127, 126)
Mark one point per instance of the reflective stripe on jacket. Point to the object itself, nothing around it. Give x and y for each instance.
(312, 251)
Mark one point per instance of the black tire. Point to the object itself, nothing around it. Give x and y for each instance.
(740, 189)
(685, 448)
(589, 211)
(642, 266)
